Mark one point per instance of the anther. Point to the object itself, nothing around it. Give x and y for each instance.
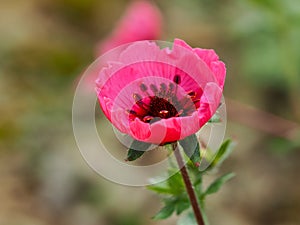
(147, 119)
(164, 113)
(170, 93)
(131, 112)
(180, 112)
(142, 104)
(163, 87)
(137, 97)
(177, 79)
(192, 94)
(143, 87)
(153, 88)
(171, 87)
(196, 101)
(186, 100)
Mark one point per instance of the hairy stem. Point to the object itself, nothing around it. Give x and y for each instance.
(188, 185)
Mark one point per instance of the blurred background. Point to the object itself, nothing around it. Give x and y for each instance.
(45, 46)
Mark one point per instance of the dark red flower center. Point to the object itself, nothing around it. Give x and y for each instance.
(160, 107)
(163, 103)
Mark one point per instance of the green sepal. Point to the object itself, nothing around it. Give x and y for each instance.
(136, 150)
(215, 119)
(191, 148)
(218, 183)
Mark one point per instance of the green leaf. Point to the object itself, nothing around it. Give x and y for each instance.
(223, 152)
(217, 184)
(165, 212)
(191, 148)
(160, 188)
(137, 149)
(172, 186)
(175, 182)
(197, 178)
(182, 205)
(188, 219)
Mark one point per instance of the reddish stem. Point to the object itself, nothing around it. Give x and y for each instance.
(188, 185)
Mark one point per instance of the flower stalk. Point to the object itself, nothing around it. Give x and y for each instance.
(188, 185)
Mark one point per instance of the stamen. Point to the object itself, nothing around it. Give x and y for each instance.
(185, 100)
(131, 112)
(153, 88)
(163, 89)
(171, 87)
(196, 101)
(143, 87)
(170, 94)
(139, 101)
(180, 112)
(137, 97)
(192, 94)
(164, 103)
(177, 79)
(142, 104)
(147, 119)
(164, 113)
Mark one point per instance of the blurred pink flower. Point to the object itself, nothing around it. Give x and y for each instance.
(141, 21)
(161, 95)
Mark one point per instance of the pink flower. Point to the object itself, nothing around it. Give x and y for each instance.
(141, 21)
(161, 95)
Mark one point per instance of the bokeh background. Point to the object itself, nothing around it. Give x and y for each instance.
(45, 45)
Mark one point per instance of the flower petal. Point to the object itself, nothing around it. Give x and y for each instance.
(209, 102)
(127, 80)
(165, 130)
(210, 57)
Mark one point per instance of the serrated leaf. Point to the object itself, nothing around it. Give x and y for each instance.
(223, 152)
(217, 184)
(136, 150)
(165, 212)
(191, 148)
